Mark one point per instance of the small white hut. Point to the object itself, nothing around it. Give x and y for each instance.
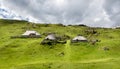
(79, 39)
(51, 37)
(31, 33)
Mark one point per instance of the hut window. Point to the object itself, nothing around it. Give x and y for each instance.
(32, 34)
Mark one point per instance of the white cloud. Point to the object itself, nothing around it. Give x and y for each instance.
(104, 13)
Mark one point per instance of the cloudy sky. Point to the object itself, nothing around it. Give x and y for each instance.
(98, 13)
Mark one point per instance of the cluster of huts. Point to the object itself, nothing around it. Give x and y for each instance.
(51, 38)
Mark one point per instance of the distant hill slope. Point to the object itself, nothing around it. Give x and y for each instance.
(28, 53)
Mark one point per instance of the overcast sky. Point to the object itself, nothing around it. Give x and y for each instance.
(98, 13)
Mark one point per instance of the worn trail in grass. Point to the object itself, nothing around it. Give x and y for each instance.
(67, 51)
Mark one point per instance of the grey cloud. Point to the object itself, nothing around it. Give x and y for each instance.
(89, 12)
(112, 8)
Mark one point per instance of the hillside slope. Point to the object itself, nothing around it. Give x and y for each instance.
(28, 53)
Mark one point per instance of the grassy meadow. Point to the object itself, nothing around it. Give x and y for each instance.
(28, 53)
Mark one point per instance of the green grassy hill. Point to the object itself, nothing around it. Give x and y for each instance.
(28, 53)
